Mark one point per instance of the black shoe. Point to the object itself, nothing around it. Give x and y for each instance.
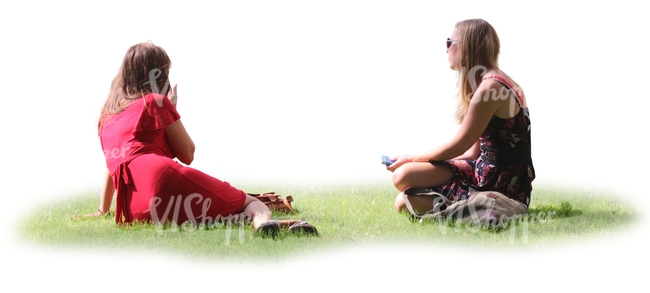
(303, 228)
(268, 228)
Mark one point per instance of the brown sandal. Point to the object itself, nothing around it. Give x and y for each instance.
(275, 202)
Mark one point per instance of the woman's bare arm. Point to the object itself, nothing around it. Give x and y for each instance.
(465, 141)
(108, 191)
(181, 142)
(472, 153)
(105, 199)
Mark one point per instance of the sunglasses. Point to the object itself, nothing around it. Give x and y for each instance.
(449, 41)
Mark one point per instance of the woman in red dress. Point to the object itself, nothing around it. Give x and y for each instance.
(141, 134)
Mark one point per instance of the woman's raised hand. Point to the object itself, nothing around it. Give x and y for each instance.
(398, 161)
(173, 95)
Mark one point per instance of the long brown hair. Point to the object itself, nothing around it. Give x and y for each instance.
(478, 51)
(133, 79)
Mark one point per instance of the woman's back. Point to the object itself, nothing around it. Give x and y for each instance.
(139, 129)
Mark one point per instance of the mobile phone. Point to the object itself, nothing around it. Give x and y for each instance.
(386, 160)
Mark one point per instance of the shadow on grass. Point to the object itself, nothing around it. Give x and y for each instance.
(565, 210)
(548, 214)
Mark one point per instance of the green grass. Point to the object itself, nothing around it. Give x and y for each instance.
(346, 215)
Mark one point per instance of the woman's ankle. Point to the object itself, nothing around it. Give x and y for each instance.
(260, 218)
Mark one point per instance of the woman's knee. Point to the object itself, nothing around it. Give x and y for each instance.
(400, 205)
(400, 178)
(249, 199)
(251, 203)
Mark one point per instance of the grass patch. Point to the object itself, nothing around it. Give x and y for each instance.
(346, 215)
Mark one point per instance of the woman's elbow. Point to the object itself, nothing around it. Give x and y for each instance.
(187, 156)
(187, 160)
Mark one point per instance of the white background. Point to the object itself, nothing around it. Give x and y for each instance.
(315, 92)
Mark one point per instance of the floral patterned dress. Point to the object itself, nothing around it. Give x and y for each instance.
(504, 165)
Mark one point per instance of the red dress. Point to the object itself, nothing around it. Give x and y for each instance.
(150, 184)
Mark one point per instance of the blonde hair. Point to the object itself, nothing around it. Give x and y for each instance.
(132, 80)
(479, 46)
